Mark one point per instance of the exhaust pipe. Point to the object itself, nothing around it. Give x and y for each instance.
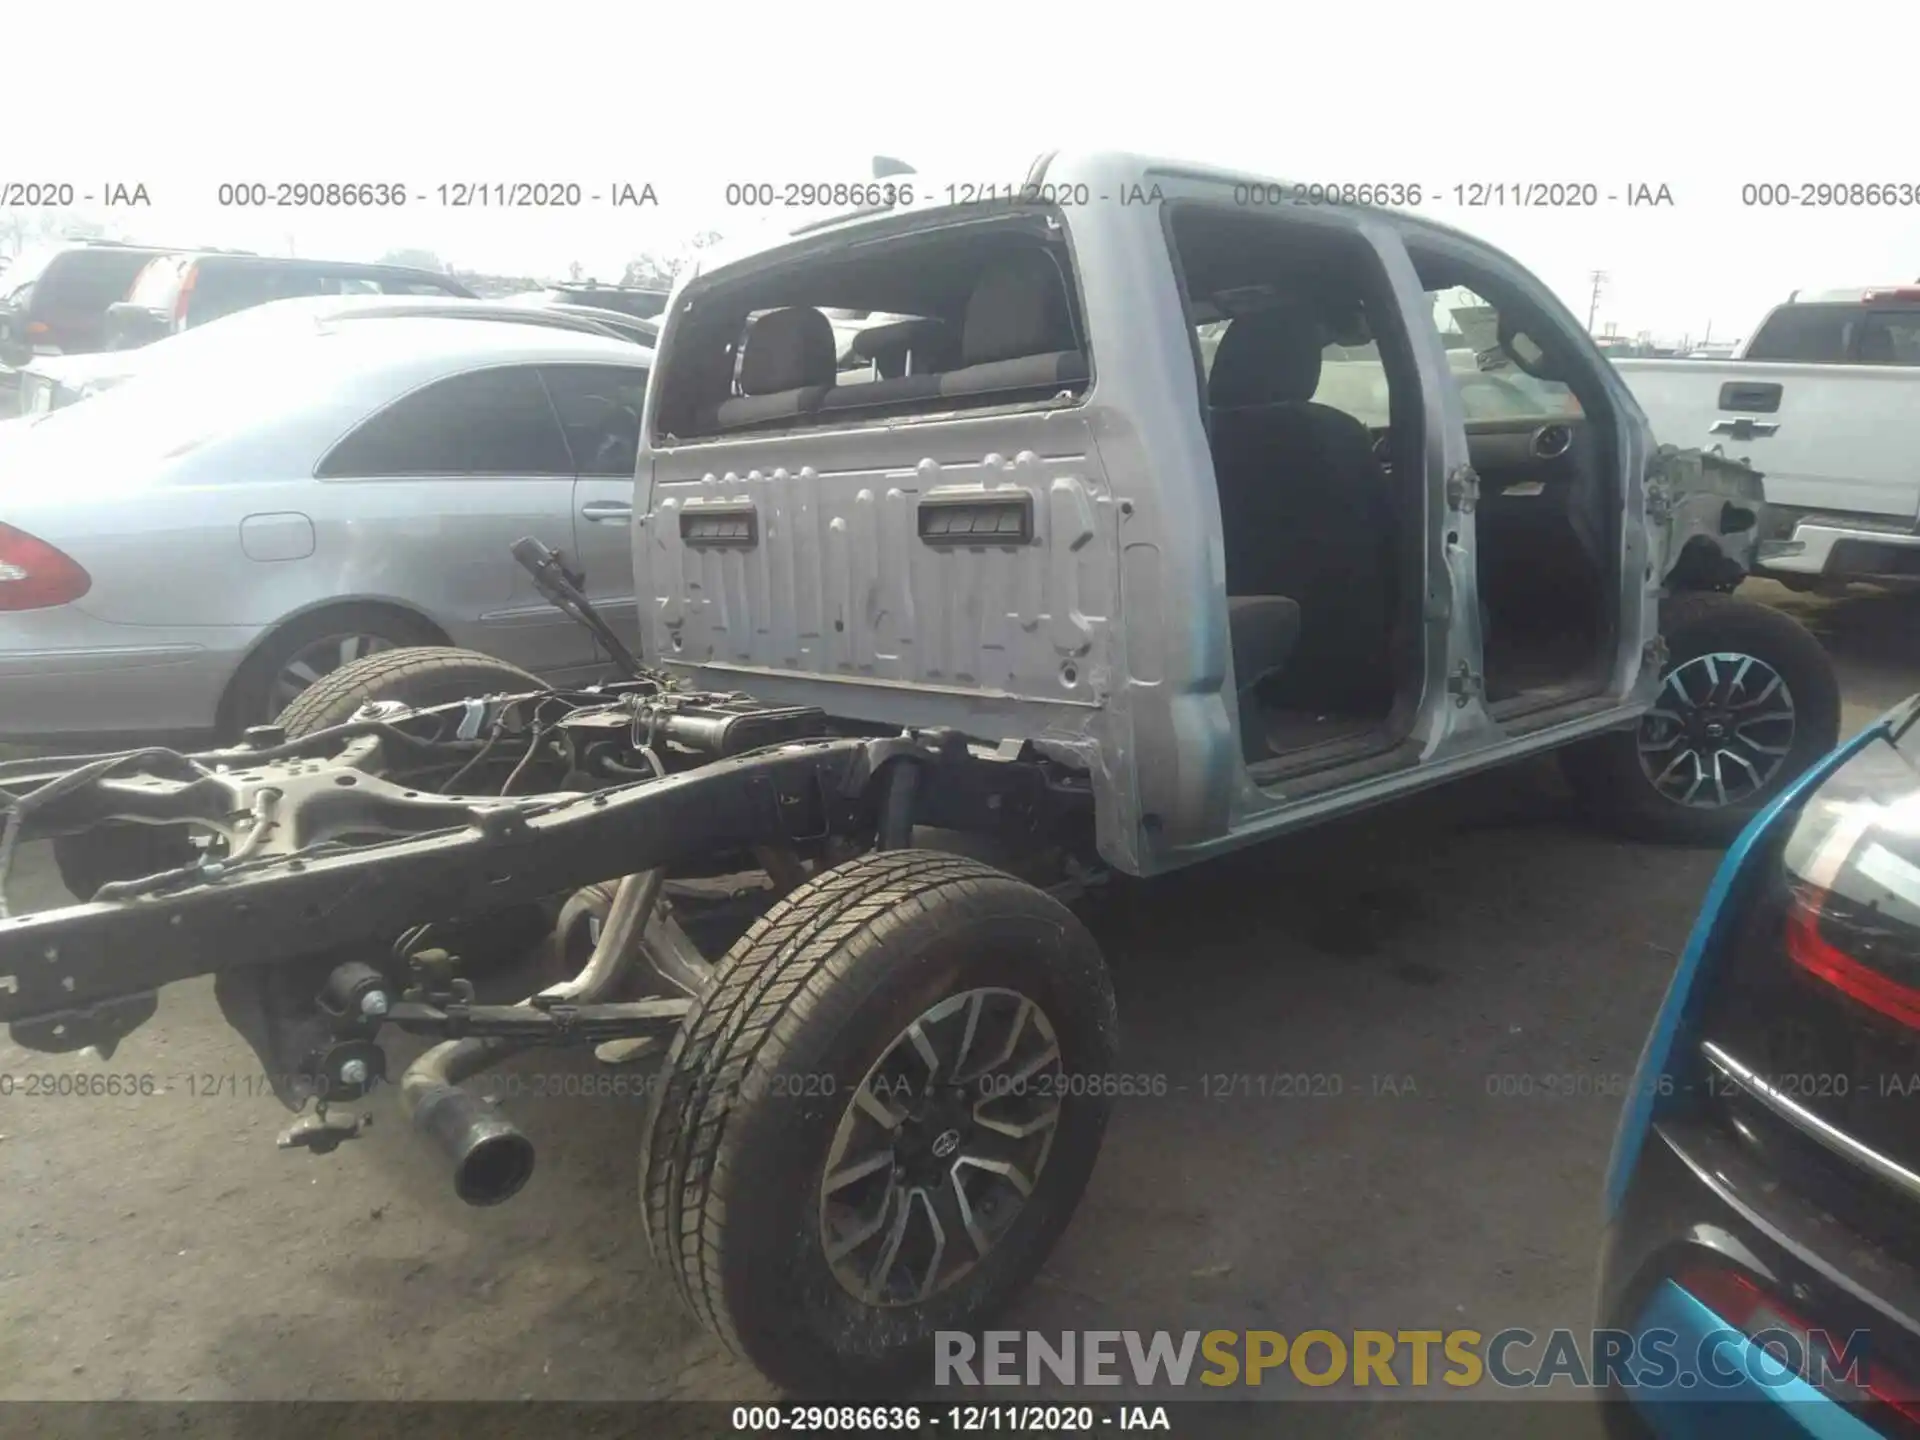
(491, 1158)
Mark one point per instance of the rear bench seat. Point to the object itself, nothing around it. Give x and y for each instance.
(786, 367)
(1018, 336)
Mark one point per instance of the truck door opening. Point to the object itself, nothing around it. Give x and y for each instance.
(1545, 532)
(1310, 387)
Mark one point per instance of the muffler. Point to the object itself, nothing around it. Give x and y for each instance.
(491, 1158)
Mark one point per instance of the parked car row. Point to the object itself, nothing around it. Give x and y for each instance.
(176, 292)
(636, 301)
(52, 382)
(77, 298)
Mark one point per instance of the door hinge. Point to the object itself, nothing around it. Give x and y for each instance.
(1464, 685)
(1654, 654)
(1463, 489)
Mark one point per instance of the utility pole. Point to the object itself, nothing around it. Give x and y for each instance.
(1599, 278)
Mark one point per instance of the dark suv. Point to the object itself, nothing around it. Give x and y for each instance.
(176, 292)
(54, 301)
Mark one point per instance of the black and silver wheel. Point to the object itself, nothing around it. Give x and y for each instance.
(877, 1122)
(1747, 702)
(940, 1146)
(1720, 731)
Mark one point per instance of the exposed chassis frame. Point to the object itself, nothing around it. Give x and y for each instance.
(291, 888)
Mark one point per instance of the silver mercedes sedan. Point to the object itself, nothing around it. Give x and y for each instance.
(185, 552)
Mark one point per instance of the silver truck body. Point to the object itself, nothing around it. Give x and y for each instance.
(1104, 640)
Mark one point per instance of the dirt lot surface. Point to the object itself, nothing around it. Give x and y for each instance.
(161, 1247)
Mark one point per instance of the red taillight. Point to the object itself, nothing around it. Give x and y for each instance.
(1848, 1377)
(186, 295)
(34, 575)
(1818, 956)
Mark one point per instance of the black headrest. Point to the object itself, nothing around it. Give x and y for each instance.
(788, 349)
(1265, 358)
(1018, 307)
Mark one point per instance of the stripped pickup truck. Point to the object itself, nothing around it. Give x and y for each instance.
(1154, 521)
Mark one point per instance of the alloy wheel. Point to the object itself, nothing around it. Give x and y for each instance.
(941, 1146)
(1719, 731)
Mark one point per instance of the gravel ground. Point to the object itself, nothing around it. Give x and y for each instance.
(160, 1247)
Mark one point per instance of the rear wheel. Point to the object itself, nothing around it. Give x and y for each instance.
(879, 1119)
(1747, 702)
(314, 647)
(438, 675)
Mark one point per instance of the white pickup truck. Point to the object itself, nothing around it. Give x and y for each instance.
(1824, 401)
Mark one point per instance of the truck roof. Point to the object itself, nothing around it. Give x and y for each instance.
(1896, 292)
(1106, 173)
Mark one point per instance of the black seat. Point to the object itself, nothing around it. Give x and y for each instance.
(1018, 333)
(1305, 512)
(787, 364)
(923, 346)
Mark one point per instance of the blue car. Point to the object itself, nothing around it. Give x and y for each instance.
(1762, 1246)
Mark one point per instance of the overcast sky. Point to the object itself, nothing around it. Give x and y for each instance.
(1696, 97)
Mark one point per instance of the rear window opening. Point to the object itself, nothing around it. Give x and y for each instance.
(972, 316)
(1829, 334)
(1808, 334)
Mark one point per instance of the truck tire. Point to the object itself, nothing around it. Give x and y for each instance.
(416, 675)
(313, 646)
(800, 1139)
(1748, 691)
